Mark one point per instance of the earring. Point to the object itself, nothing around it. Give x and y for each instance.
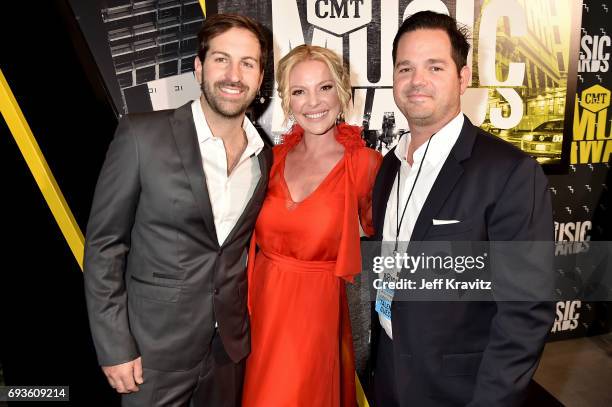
(339, 118)
(291, 117)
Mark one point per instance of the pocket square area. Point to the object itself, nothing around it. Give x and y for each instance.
(444, 221)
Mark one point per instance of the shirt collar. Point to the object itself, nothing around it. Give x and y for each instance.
(440, 145)
(254, 142)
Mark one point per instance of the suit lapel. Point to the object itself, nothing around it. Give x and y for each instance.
(445, 182)
(382, 189)
(184, 132)
(265, 160)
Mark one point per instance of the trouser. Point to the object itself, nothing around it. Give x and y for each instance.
(216, 381)
(385, 387)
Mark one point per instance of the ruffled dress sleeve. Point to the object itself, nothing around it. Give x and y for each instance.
(361, 165)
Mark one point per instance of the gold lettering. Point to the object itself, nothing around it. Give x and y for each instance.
(607, 152)
(602, 115)
(584, 125)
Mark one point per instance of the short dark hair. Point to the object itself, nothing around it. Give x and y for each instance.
(217, 24)
(429, 20)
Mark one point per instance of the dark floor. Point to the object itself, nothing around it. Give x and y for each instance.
(578, 372)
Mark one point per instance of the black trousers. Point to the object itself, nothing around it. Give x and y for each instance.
(216, 381)
(385, 386)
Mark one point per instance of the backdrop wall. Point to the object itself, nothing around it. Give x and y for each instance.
(66, 92)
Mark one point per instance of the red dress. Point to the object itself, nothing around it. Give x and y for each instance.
(301, 344)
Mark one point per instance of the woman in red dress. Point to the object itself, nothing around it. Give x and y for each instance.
(308, 239)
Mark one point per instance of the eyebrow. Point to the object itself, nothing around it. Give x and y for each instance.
(429, 61)
(324, 82)
(229, 56)
(437, 61)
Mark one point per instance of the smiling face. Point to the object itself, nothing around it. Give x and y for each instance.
(230, 74)
(314, 99)
(426, 84)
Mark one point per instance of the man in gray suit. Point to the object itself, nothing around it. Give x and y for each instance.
(167, 238)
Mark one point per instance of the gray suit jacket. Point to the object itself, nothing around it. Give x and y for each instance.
(156, 279)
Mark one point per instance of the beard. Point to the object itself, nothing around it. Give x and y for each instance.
(226, 109)
(420, 117)
(420, 114)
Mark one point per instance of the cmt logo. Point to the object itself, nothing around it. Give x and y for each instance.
(567, 316)
(339, 16)
(592, 134)
(593, 57)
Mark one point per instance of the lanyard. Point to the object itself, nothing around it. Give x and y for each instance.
(398, 220)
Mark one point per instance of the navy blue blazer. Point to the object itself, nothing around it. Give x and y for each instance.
(471, 353)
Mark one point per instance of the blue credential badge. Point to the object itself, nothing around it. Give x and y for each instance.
(384, 296)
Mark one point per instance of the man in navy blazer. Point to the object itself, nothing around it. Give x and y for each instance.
(447, 180)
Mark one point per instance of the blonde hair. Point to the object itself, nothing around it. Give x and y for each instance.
(302, 53)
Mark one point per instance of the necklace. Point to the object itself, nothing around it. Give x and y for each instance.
(398, 220)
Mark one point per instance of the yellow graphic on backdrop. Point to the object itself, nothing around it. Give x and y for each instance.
(43, 176)
(592, 135)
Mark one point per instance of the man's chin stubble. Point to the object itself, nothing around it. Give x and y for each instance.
(220, 110)
(419, 121)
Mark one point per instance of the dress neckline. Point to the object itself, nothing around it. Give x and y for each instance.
(318, 187)
(347, 135)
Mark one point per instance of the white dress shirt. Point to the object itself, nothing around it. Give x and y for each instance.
(229, 195)
(439, 149)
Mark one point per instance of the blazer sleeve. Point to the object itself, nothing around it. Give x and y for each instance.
(107, 245)
(523, 212)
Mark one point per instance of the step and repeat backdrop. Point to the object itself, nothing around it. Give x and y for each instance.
(581, 197)
(541, 81)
